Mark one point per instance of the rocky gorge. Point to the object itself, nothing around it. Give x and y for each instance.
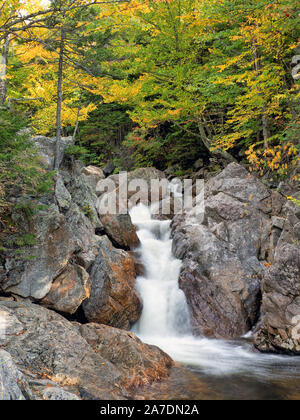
(68, 300)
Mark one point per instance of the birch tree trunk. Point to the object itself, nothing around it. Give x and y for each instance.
(77, 124)
(3, 71)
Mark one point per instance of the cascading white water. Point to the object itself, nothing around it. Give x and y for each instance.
(165, 312)
(165, 318)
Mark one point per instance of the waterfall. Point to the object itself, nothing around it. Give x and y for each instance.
(165, 320)
(165, 312)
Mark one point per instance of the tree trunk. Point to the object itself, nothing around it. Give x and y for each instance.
(3, 71)
(59, 100)
(265, 119)
(206, 142)
(76, 125)
(223, 154)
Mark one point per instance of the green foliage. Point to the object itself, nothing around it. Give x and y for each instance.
(164, 146)
(78, 152)
(294, 200)
(171, 81)
(26, 240)
(21, 174)
(102, 134)
(221, 69)
(88, 211)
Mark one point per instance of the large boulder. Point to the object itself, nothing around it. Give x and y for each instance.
(279, 329)
(69, 290)
(57, 239)
(64, 360)
(47, 149)
(50, 347)
(224, 251)
(120, 230)
(93, 175)
(32, 274)
(84, 197)
(113, 300)
(142, 363)
(52, 267)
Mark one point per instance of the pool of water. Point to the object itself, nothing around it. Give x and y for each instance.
(229, 370)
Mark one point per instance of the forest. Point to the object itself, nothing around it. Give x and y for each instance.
(150, 83)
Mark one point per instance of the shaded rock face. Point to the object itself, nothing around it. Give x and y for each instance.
(109, 168)
(224, 252)
(113, 300)
(53, 270)
(84, 197)
(141, 362)
(47, 149)
(59, 239)
(54, 247)
(279, 329)
(223, 307)
(59, 270)
(62, 360)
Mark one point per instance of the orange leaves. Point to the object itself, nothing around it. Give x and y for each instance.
(175, 112)
(267, 264)
(276, 159)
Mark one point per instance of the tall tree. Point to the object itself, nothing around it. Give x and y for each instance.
(58, 29)
(3, 70)
(219, 70)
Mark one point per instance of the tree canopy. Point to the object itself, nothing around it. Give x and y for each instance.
(166, 81)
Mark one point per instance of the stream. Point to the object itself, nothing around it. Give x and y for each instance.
(230, 369)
